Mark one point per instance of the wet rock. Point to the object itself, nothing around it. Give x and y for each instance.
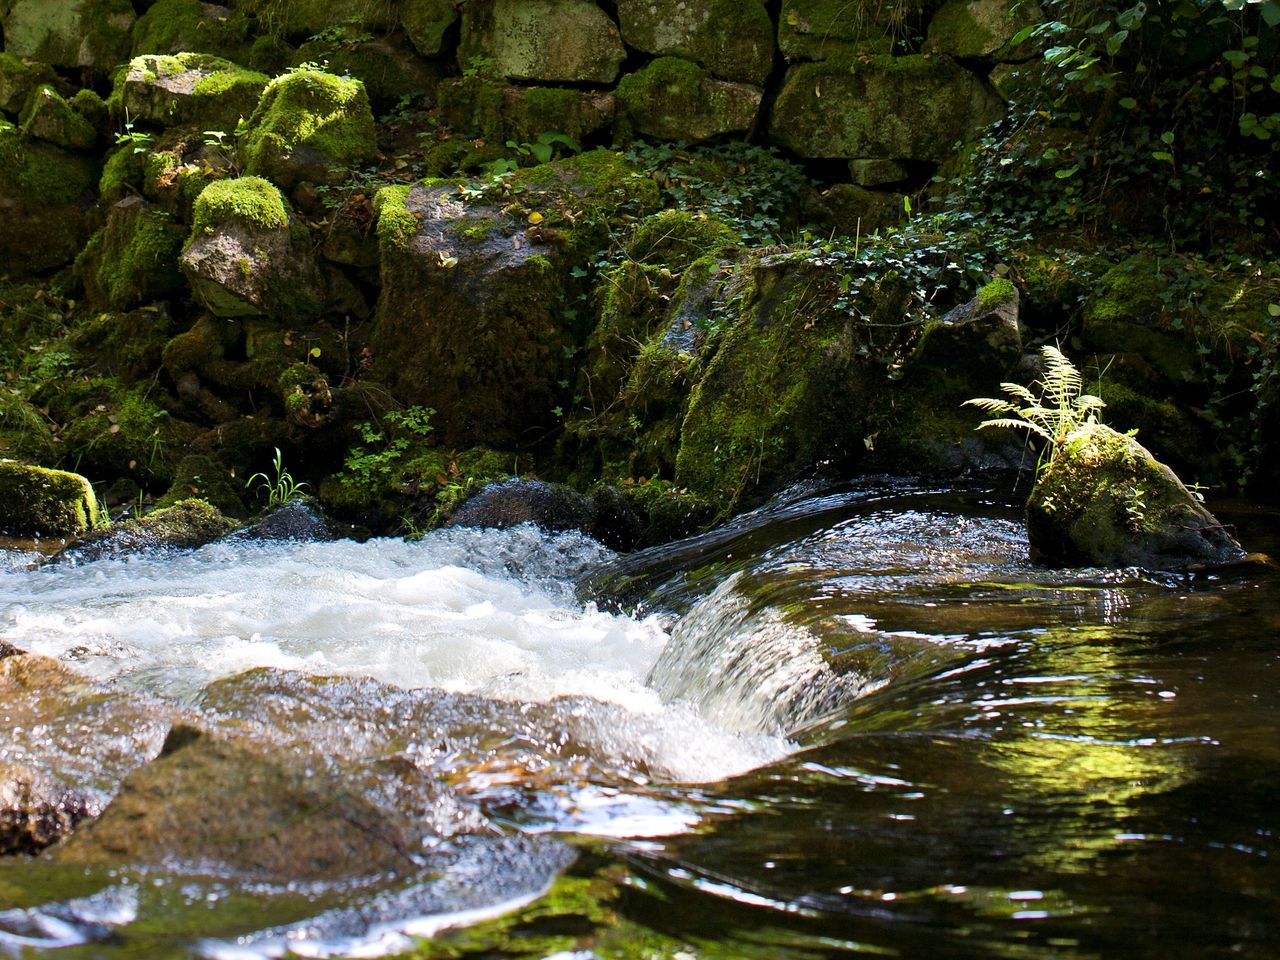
(47, 116)
(185, 525)
(299, 519)
(309, 126)
(982, 28)
(134, 258)
(188, 88)
(45, 192)
(552, 506)
(266, 814)
(731, 38)
(910, 107)
(543, 40)
(65, 745)
(247, 256)
(1104, 500)
(69, 33)
(38, 502)
(674, 99)
(37, 810)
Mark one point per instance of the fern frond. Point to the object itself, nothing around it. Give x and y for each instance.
(1019, 392)
(991, 405)
(1011, 424)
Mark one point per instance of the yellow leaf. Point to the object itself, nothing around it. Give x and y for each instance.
(535, 217)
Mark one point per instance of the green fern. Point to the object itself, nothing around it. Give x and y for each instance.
(1060, 408)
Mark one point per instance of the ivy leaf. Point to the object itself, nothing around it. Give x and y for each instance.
(1067, 172)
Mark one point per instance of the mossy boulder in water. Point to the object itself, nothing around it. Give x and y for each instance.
(559, 41)
(69, 33)
(38, 502)
(912, 107)
(134, 258)
(185, 525)
(731, 38)
(45, 192)
(309, 126)
(551, 506)
(246, 256)
(1105, 501)
(188, 88)
(674, 99)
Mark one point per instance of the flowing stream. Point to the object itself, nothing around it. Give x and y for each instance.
(855, 721)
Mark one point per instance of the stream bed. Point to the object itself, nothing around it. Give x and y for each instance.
(856, 721)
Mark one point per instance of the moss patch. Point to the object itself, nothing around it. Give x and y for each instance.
(38, 502)
(251, 201)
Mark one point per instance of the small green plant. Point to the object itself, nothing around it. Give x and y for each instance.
(142, 142)
(280, 489)
(1061, 407)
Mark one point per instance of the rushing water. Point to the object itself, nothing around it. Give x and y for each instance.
(853, 722)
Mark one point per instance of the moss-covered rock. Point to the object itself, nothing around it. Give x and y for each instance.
(245, 256)
(186, 525)
(134, 258)
(674, 239)
(38, 502)
(45, 192)
(785, 390)
(178, 26)
(674, 99)
(188, 88)
(982, 28)
(388, 66)
(542, 40)
(118, 431)
(69, 33)
(126, 346)
(47, 116)
(1104, 500)
(24, 432)
(18, 78)
(205, 478)
(731, 38)
(309, 126)
(836, 29)
(499, 111)
(876, 173)
(912, 107)
(425, 23)
(474, 318)
(305, 18)
(848, 210)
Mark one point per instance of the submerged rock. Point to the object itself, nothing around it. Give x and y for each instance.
(38, 502)
(37, 810)
(1105, 501)
(298, 519)
(552, 506)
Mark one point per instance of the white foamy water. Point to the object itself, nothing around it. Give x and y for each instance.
(486, 612)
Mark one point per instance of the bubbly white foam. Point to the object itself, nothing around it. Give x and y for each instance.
(488, 612)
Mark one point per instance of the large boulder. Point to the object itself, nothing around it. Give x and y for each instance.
(673, 99)
(913, 107)
(557, 41)
(247, 256)
(552, 506)
(498, 111)
(188, 88)
(44, 192)
(38, 502)
(475, 316)
(69, 33)
(731, 38)
(309, 126)
(982, 28)
(1105, 501)
(181, 26)
(134, 258)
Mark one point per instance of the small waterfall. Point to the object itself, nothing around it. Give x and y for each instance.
(747, 669)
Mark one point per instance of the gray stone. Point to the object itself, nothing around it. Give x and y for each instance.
(550, 40)
(189, 88)
(982, 28)
(70, 33)
(673, 99)
(731, 38)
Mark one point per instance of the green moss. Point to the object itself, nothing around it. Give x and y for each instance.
(122, 432)
(731, 38)
(395, 223)
(209, 479)
(674, 99)
(185, 524)
(47, 116)
(134, 258)
(175, 26)
(676, 238)
(123, 345)
(17, 79)
(44, 192)
(186, 88)
(121, 174)
(24, 432)
(995, 294)
(38, 502)
(308, 111)
(252, 201)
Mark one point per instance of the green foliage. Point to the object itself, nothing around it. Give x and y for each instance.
(547, 146)
(282, 487)
(1053, 413)
(371, 462)
(140, 141)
